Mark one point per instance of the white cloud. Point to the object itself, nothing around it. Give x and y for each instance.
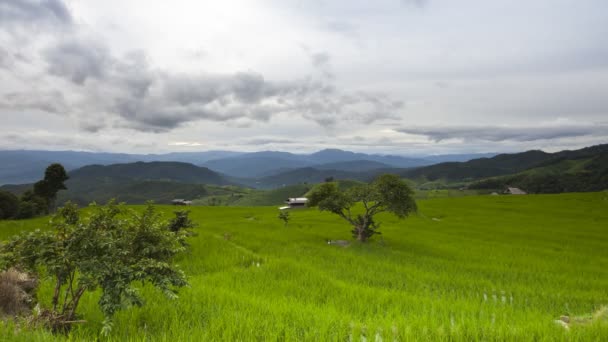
(320, 73)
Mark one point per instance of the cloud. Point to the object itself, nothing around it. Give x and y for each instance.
(185, 144)
(415, 3)
(107, 90)
(508, 133)
(51, 101)
(28, 12)
(344, 28)
(269, 141)
(78, 60)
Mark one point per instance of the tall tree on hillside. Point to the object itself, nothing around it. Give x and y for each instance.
(47, 188)
(388, 193)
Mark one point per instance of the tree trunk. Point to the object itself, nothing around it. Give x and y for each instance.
(56, 294)
(361, 234)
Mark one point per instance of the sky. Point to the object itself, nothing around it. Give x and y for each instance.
(404, 77)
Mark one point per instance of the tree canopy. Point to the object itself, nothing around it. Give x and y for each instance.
(9, 205)
(54, 178)
(388, 193)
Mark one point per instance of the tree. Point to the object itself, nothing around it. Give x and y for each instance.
(31, 205)
(9, 205)
(110, 249)
(181, 226)
(388, 193)
(54, 178)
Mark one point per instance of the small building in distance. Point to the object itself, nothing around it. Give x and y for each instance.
(514, 191)
(295, 203)
(181, 201)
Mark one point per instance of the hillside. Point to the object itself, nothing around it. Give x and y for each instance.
(253, 165)
(26, 166)
(556, 176)
(353, 166)
(272, 197)
(168, 171)
(135, 183)
(307, 175)
(479, 268)
(502, 164)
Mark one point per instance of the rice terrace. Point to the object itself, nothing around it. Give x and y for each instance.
(288, 170)
(470, 268)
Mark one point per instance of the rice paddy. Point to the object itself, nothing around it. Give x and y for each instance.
(477, 268)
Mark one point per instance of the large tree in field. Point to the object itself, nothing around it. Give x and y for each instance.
(388, 193)
(54, 178)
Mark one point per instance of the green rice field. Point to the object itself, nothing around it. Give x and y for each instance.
(475, 268)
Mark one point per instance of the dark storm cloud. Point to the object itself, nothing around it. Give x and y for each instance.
(503, 133)
(52, 12)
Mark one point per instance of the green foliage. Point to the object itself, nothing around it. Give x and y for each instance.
(284, 216)
(181, 225)
(9, 205)
(561, 176)
(387, 193)
(110, 249)
(31, 205)
(54, 178)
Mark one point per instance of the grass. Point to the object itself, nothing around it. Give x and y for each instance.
(475, 268)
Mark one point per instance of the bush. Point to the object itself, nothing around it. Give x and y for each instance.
(110, 250)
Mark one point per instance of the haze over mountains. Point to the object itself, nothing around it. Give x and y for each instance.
(136, 182)
(24, 166)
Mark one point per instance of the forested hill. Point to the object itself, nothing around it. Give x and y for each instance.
(502, 164)
(135, 183)
(158, 171)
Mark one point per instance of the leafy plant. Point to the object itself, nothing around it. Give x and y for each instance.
(284, 216)
(110, 249)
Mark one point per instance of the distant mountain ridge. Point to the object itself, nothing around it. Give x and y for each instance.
(534, 171)
(260, 164)
(25, 166)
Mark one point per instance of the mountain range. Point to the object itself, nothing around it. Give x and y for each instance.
(24, 166)
(136, 182)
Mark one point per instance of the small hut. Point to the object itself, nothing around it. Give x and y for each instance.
(294, 203)
(514, 191)
(180, 201)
